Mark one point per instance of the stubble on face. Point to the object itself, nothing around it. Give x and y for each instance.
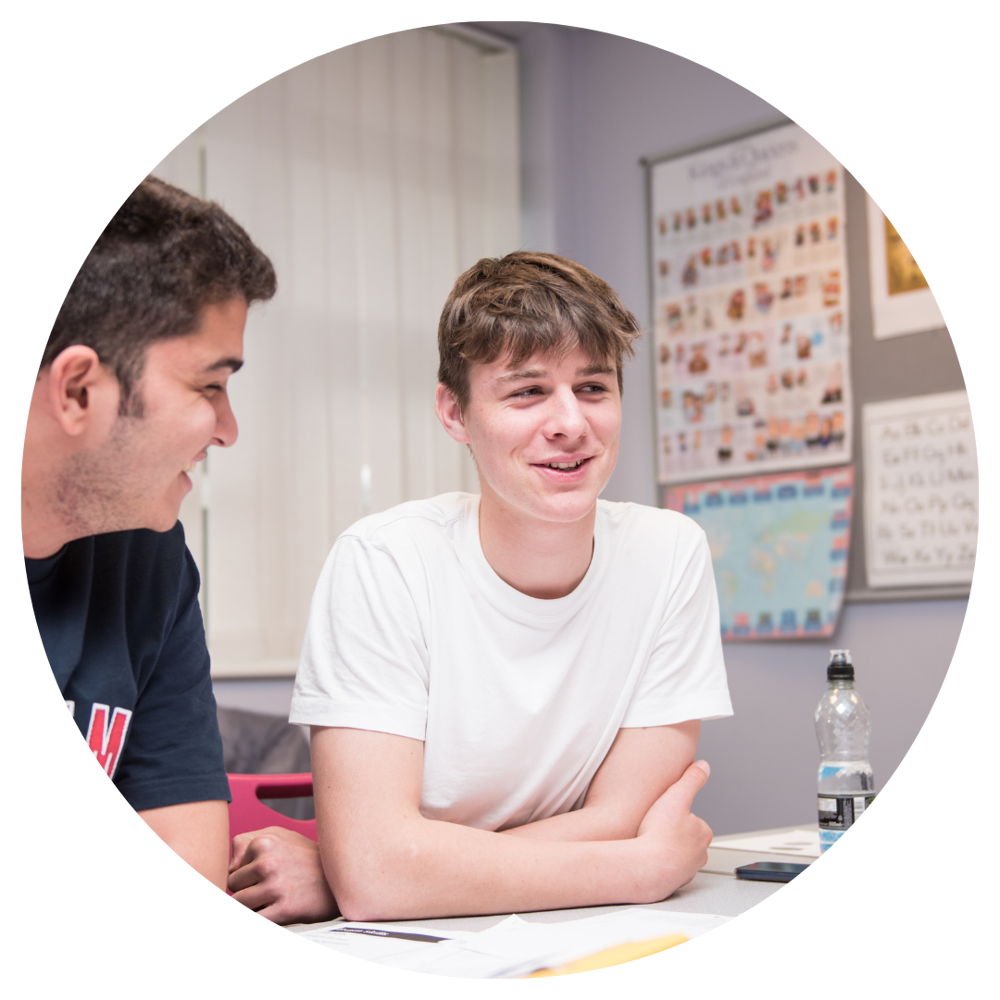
(96, 491)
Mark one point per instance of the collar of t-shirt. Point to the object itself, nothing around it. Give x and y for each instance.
(503, 594)
(39, 569)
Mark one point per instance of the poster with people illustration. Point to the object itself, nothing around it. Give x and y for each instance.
(750, 308)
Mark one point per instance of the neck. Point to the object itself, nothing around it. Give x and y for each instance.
(51, 515)
(43, 534)
(543, 559)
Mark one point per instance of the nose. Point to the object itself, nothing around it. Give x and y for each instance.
(226, 430)
(564, 416)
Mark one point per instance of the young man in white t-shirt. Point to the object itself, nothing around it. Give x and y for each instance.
(505, 690)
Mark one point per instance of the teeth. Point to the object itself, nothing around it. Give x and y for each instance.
(189, 467)
(564, 465)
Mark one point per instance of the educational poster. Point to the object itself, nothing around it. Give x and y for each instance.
(779, 549)
(921, 491)
(750, 308)
(902, 302)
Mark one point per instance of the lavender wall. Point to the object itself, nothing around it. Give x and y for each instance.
(592, 105)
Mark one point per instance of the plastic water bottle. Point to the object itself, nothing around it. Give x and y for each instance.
(845, 782)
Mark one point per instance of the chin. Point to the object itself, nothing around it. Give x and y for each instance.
(574, 509)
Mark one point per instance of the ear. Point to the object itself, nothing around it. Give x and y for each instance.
(450, 414)
(80, 389)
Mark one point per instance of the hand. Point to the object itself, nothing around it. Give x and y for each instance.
(279, 874)
(676, 839)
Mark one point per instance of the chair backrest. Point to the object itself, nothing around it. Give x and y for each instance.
(247, 812)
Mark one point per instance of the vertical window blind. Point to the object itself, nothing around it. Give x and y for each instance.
(372, 176)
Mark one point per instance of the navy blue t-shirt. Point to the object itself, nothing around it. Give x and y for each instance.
(120, 622)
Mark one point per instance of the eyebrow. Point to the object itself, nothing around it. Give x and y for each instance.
(529, 373)
(233, 364)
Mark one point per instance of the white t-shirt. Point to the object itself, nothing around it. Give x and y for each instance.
(517, 699)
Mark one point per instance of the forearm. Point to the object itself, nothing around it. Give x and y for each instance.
(385, 860)
(592, 822)
(429, 868)
(198, 832)
(641, 765)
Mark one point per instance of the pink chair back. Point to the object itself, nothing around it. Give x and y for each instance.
(247, 812)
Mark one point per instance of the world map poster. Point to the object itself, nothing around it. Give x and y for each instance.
(779, 549)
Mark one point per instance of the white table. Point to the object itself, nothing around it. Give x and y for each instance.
(715, 889)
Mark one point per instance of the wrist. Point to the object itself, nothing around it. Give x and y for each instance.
(631, 864)
(650, 871)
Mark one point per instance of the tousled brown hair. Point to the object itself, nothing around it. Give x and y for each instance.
(528, 303)
(163, 257)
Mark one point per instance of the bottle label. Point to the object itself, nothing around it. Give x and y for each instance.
(839, 812)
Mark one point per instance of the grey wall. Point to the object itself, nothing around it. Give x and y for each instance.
(764, 757)
(270, 695)
(592, 105)
(913, 365)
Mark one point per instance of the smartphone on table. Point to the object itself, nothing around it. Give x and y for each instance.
(770, 871)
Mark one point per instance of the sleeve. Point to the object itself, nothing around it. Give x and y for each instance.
(173, 753)
(364, 662)
(685, 677)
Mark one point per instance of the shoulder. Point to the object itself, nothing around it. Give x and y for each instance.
(148, 562)
(138, 552)
(649, 525)
(436, 517)
(413, 537)
(648, 542)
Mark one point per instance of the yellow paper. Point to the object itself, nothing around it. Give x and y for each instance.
(613, 956)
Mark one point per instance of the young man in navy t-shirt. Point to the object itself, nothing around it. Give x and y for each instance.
(130, 394)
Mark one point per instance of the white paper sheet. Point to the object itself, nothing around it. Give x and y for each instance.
(803, 842)
(921, 491)
(514, 947)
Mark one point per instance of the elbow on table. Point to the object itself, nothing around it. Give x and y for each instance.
(368, 885)
(365, 904)
(360, 909)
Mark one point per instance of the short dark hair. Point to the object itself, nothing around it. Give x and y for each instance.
(528, 303)
(160, 261)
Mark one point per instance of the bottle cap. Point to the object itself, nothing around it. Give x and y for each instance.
(840, 667)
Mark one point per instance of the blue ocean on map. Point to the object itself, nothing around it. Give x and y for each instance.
(779, 548)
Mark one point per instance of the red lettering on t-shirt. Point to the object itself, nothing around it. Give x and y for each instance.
(105, 736)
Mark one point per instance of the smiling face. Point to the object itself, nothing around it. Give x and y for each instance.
(544, 434)
(137, 475)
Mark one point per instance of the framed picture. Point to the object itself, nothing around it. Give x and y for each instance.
(901, 300)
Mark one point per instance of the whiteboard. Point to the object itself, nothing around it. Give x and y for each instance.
(921, 491)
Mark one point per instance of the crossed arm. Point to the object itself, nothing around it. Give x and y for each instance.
(634, 839)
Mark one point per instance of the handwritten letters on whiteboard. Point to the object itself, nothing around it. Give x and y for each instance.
(921, 491)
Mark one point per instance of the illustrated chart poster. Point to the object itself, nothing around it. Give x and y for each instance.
(750, 308)
(921, 491)
(779, 548)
